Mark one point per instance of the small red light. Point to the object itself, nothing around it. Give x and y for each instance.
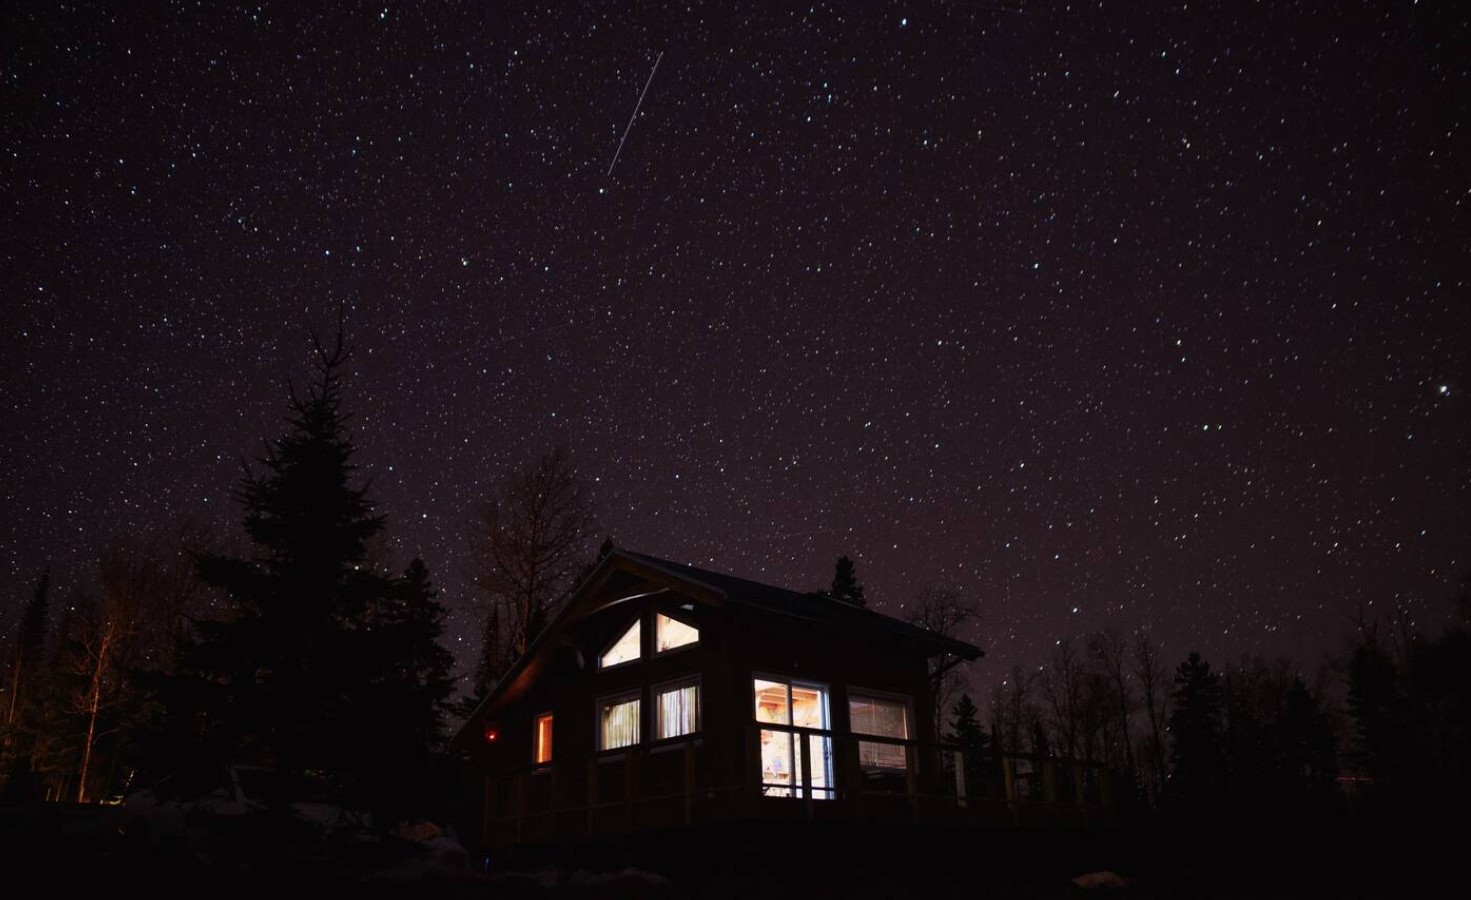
(491, 733)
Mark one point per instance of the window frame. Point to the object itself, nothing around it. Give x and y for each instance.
(680, 620)
(616, 699)
(536, 738)
(637, 622)
(829, 789)
(909, 724)
(673, 684)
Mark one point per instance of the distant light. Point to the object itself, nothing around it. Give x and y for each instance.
(1445, 390)
(492, 734)
(903, 23)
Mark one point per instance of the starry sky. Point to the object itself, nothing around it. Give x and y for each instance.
(1129, 314)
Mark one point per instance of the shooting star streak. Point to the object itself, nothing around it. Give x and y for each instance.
(636, 108)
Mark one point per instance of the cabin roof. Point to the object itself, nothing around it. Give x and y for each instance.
(812, 606)
(714, 588)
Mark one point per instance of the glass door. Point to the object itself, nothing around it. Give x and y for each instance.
(796, 704)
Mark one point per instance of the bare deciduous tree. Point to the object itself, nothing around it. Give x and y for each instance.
(1012, 712)
(1154, 688)
(946, 613)
(1109, 652)
(529, 547)
(1061, 685)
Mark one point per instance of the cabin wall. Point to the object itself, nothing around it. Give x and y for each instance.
(736, 642)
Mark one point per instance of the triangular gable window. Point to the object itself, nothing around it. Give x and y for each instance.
(670, 633)
(625, 649)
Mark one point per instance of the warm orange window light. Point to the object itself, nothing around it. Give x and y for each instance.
(544, 738)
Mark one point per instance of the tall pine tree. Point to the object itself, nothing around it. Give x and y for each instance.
(322, 662)
(845, 586)
(1197, 727)
(966, 733)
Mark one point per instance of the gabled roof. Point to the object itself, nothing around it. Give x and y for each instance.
(716, 589)
(813, 607)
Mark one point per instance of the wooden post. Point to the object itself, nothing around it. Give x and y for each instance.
(748, 798)
(520, 804)
(630, 787)
(958, 760)
(1008, 777)
(911, 780)
(805, 745)
(487, 825)
(1080, 786)
(1049, 781)
(689, 781)
(592, 793)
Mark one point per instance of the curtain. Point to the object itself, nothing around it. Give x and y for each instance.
(620, 724)
(885, 718)
(679, 711)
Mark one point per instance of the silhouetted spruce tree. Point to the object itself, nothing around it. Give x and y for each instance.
(966, 732)
(845, 585)
(409, 695)
(30, 646)
(26, 663)
(1196, 727)
(320, 662)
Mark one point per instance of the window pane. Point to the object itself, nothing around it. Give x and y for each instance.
(671, 633)
(885, 718)
(544, 739)
(771, 702)
(625, 648)
(620, 723)
(802, 705)
(679, 711)
(776, 763)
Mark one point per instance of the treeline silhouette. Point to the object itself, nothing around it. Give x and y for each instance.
(1381, 730)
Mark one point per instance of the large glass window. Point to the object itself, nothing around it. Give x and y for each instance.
(618, 722)
(677, 710)
(885, 717)
(544, 738)
(625, 649)
(670, 633)
(802, 705)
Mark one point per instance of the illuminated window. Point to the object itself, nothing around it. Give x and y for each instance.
(618, 722)
(883, 717)
(780, 702)
(625, 649)
(670, 633)
(677, 710)
(544, 738)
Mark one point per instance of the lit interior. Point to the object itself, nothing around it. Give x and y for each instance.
(619, 723)
(544, 739)
(670, 633)
(625, 649)
(804, 706)
(678, 709)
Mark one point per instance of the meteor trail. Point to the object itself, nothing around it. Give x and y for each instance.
(636, 108)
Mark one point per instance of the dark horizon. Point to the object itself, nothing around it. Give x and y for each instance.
(1116, 317)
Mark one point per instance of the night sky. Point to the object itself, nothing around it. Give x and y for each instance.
(1123, 314)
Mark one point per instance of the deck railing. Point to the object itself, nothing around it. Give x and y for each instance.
(703, 778)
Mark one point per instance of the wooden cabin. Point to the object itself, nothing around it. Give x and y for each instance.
(664, 695)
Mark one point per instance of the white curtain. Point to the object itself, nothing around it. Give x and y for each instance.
(679, 711)
(620, 724)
